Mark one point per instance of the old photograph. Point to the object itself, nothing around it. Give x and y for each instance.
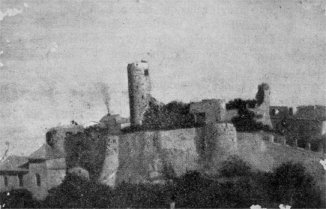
(163, 104)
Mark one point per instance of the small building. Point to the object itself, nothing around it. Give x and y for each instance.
(13, 173)
(37, 173)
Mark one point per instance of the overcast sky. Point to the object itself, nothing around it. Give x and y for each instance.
(57, 56)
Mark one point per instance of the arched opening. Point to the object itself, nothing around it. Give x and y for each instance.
(20, 178)
(38, 179)
(50, 137)
(275, 112)
(6, 180)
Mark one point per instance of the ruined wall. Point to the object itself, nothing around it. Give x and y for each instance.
(158, 155)
(263, 104)
(139, 91)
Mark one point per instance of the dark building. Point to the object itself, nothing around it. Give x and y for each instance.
(304, 126)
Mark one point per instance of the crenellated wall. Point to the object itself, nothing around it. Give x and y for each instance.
(265, 155)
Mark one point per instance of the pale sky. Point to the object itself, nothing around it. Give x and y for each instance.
(57, 55)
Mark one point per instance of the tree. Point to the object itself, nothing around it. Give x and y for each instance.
(170, 116)
(246, 119)
(291, 184)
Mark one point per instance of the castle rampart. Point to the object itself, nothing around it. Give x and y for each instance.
(153, 156)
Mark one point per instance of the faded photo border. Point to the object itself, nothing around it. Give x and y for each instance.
(169, 104)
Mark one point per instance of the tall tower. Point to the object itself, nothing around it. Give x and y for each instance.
(139, 91)
(263, 103)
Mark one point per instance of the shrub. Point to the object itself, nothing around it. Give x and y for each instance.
(20, 198)
(170, 116)
(191, 191)
(234, 166)
(76, 192)
(288, 184)
(291, 184)
(128, 195)
(246, 120)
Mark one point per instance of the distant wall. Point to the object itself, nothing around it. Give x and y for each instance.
(303, 130)
(265, 156)
(311, 112)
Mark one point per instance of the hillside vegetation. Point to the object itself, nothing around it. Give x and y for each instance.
(237, 187)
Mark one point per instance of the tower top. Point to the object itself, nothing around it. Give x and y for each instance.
(142, 65)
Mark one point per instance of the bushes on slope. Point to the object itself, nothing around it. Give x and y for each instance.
(287, 184)
(291, 184)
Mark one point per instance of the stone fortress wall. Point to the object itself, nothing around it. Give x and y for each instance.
(155, 156)
(149, 156)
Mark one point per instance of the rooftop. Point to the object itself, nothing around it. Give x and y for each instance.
(13, 163)
(45, 153)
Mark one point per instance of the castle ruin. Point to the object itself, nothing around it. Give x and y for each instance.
(107, 154)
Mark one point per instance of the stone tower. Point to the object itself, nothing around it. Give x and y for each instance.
(263, 104)
(139, 87)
